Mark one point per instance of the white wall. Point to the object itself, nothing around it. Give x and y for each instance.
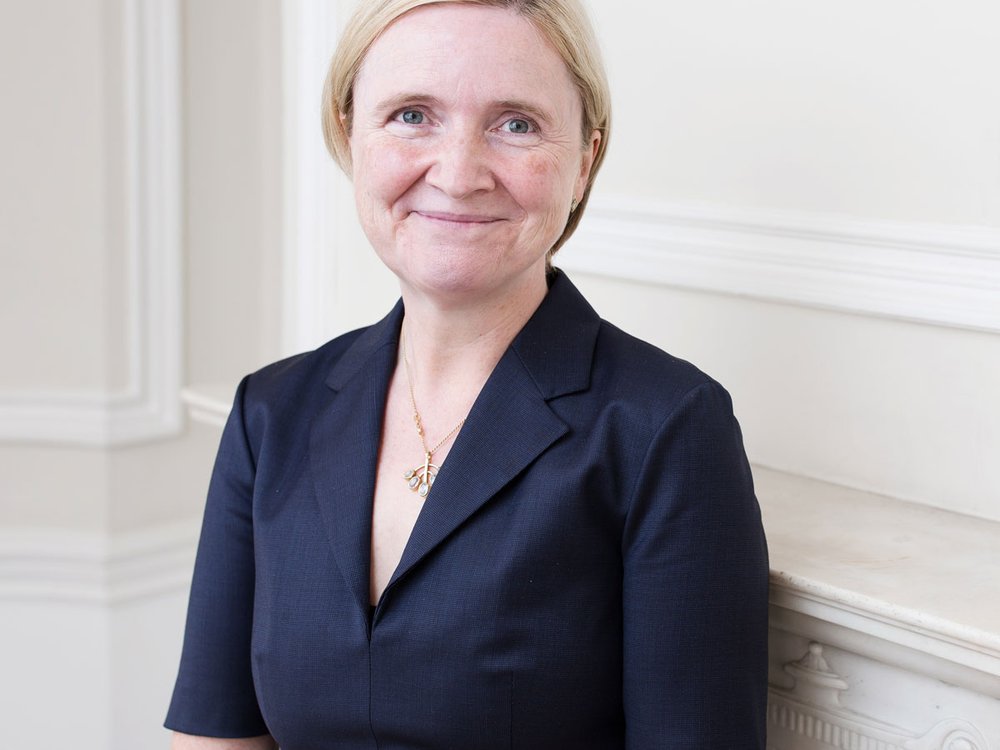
(905, 410)
(53, 145)
(233, 197)
(88, 662)
(886, 110)
(804, 200)
(824, 116)
(56, 684)
(764, 118)
(122, 118)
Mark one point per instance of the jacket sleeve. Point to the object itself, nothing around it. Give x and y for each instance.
(214, 694)
(695, 587)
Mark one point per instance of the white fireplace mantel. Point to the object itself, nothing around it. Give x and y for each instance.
(885, 621)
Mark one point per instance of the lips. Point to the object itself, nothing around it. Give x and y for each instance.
(456, 218)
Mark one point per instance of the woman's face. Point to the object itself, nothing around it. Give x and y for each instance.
(467, 150)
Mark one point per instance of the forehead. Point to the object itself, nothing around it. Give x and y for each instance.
(466, 49)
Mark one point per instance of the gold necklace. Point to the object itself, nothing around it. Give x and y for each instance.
(421, 478)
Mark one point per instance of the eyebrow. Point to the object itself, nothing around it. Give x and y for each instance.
(398, 101)
(526, 107)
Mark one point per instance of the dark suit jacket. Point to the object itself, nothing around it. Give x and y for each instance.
(589, 570)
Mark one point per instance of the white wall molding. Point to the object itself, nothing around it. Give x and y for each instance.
(930, 273)
(91, 624)
(148, 406)
(66, 566)
(809, 716)
(209, 403)
(889, 580)
(898, 639)
(893, 595)
(310, 29)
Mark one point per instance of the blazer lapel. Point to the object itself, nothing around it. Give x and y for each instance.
(343, 448)
(507, 428)
(511, 422)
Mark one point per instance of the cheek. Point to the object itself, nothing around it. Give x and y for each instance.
(541, 183)
(541, 167)
(386, 170)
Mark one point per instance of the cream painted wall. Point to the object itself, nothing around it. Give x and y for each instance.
(886, 112)
(896, 408)
(54, 213)
(233, 200)
(61, 246)
(55, 687)
(363, 290)
(92, 561)
(96, 540)
(63, 295)
(60, 487)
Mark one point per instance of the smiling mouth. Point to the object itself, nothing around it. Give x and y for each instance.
(457, 219)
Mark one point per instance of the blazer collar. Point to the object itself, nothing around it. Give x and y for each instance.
(556, 346)
(509, 426)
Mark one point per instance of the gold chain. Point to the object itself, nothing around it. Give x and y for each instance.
(421, 478)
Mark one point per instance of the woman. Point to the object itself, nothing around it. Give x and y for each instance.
(491, 520)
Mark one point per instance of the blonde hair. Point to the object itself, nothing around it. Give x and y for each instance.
(563, 23)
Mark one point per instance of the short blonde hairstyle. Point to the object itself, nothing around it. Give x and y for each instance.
(563, 23)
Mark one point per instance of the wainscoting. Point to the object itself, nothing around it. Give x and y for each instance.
(90, 635)
(145, 406)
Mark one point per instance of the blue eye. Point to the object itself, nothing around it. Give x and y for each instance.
(412, 117)
(518, 126)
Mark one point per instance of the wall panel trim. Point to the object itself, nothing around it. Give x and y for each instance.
(930, 273)
(809, 714)
(67, 566)
(149, 405)
(313, 189)
(910, 641)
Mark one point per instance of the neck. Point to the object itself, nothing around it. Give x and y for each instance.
(454, 346)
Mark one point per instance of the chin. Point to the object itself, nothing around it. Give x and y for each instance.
(449, 265)
(449, 280)
(465, 276)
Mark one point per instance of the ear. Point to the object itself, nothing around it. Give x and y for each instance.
(347, 161)
(587, 163)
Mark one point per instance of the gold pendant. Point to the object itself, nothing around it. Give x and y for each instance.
(421, 479)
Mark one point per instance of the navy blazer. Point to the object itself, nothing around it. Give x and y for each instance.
(589, 570)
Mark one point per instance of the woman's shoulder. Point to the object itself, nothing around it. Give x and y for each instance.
(645, 376)
(298, 370)
(279, 400)
(312, 373)
(573, 351)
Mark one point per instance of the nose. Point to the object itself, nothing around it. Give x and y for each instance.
(461, 166)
